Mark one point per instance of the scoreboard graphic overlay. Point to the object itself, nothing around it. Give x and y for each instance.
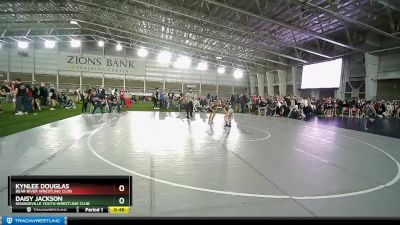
(70, 194)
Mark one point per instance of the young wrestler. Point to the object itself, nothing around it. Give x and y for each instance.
(228, 115)
(212, 110)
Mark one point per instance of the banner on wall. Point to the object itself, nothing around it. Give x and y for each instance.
(100, 64)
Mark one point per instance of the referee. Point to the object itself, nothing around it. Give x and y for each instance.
(189, 106)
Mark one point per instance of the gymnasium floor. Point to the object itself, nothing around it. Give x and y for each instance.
(260, 167)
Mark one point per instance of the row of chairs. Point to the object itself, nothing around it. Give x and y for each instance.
(351, 112)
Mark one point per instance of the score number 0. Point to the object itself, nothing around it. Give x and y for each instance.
(121, 200)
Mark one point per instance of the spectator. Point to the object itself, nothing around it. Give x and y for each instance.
(36, 96)
(133, 99)
(113, 102)
(97, 102)
(396, 110)
(190, 96)
(43, 95)
(20, 95)
(85, 101)
(53, 97)
(13, 90)
(28, 101)
(155, 98)
(262, 105)
(162, 100)
(6, 90)
(70, 104)
(369, 114)
(2, 99)
(170, 100)
(122, 97)
(382, 109)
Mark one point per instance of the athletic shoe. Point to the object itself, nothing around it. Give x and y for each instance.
(52, 109)
(26, 113)
(19, 114)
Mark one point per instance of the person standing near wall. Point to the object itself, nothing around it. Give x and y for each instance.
(43, 95)
(28, 103)
(36, 96)
(6, 89)
(189, 106)
(162, 100)
(170, 99)
(85, 101)
(2, 98)
(13, 90)
(53, 97)
(20, 95)
(154, 98)
(122, 97)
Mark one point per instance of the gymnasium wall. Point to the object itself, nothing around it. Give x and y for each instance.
(43, 64)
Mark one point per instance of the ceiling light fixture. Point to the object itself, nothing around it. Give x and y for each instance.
(164, 57)
(100, 43)
(49, 44)
(183, 62)
(23, 44)
(238, 73)
(75, 43)
(118, 47)
(142, 52)
(202, 66)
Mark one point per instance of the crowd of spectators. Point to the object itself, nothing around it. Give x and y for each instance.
(26, 97)
(292, 106)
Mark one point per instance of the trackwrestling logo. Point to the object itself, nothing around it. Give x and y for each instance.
(33, 220)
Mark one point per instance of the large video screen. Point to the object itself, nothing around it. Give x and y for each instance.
(322, 75)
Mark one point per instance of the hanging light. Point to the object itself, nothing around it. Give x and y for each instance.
(73, 22)
(221, 70)
(142, 52)
(23, 44)
(49, 44)
(164, 57)
(100, 43)
(238, 73)
(118, 47)
(202, 66)
(75, 43)
(183, 62)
